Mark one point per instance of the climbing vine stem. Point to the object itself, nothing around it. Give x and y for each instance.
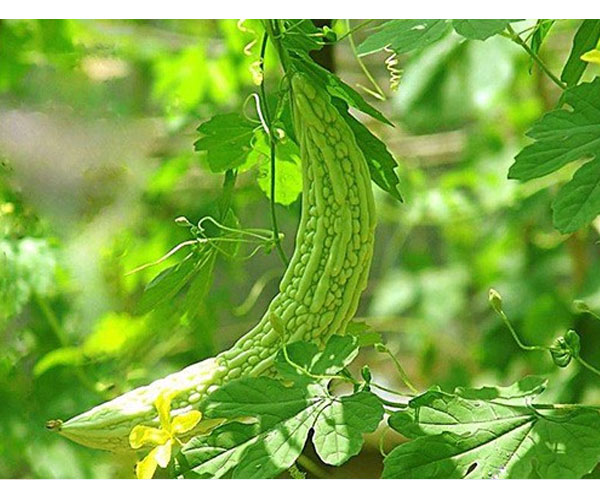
(272, 151)
(515, 37)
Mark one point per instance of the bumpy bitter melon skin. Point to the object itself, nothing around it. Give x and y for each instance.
(319, 292)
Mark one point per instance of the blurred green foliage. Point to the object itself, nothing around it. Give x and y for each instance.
(97, 126)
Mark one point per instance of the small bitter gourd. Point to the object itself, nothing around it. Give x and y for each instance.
(319, 292)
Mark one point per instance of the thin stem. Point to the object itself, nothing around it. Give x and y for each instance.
(353, 30)
(516, 336)
(307, 464)
(585, 364)
(518, 40)
(401, 372)
(393, 404)
(378, 93)
(564, 406)
(265, 106)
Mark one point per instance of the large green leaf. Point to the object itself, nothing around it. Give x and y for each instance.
(457, 438)
(267, 422)
(167, 283)
(561, 137)
(404, 35)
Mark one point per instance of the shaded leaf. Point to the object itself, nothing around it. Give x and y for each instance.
(585, 39)
(380, 161)
(578, 201)
(540, 32)
(482, 439)
(166, 285)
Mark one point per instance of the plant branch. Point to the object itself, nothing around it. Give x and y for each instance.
(265, 105)
(519, 41)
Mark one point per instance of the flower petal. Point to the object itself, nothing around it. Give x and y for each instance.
(146, 467)
(163, 453)
(142, 435)
(186, 422)
(163, 406)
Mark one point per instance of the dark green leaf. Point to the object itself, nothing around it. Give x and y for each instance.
(227, 141)
(380, 161)
(166, 285)
(578, 201)
(479, 29)
(201, 282)
(404, 35)
(301, 35)
(561, 137)
(336, 87)
(540, 32)
(585, 39)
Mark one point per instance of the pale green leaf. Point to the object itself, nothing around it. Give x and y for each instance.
(340, 426)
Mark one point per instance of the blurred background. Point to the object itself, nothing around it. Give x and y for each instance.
(97, 125)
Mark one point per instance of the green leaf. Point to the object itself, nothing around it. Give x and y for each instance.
(561, 137)
(268, 422)
(166, 285)
(459, 438)
(301, 35)
(540, 32)
(63, 356)
(531, 385)
(228, 141)
(336, 87)
(578, 202)
(404, 35)
(380, 161)
(480, 29)
(585, 39)
(201, 282)
(340, 426)
(288, 170)
(365, 333)
(284, 417)
(337, 354)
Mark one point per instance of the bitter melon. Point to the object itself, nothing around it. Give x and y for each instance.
(319, 292)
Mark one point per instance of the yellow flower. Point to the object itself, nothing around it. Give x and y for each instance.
(162, 438)
(593, 56)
